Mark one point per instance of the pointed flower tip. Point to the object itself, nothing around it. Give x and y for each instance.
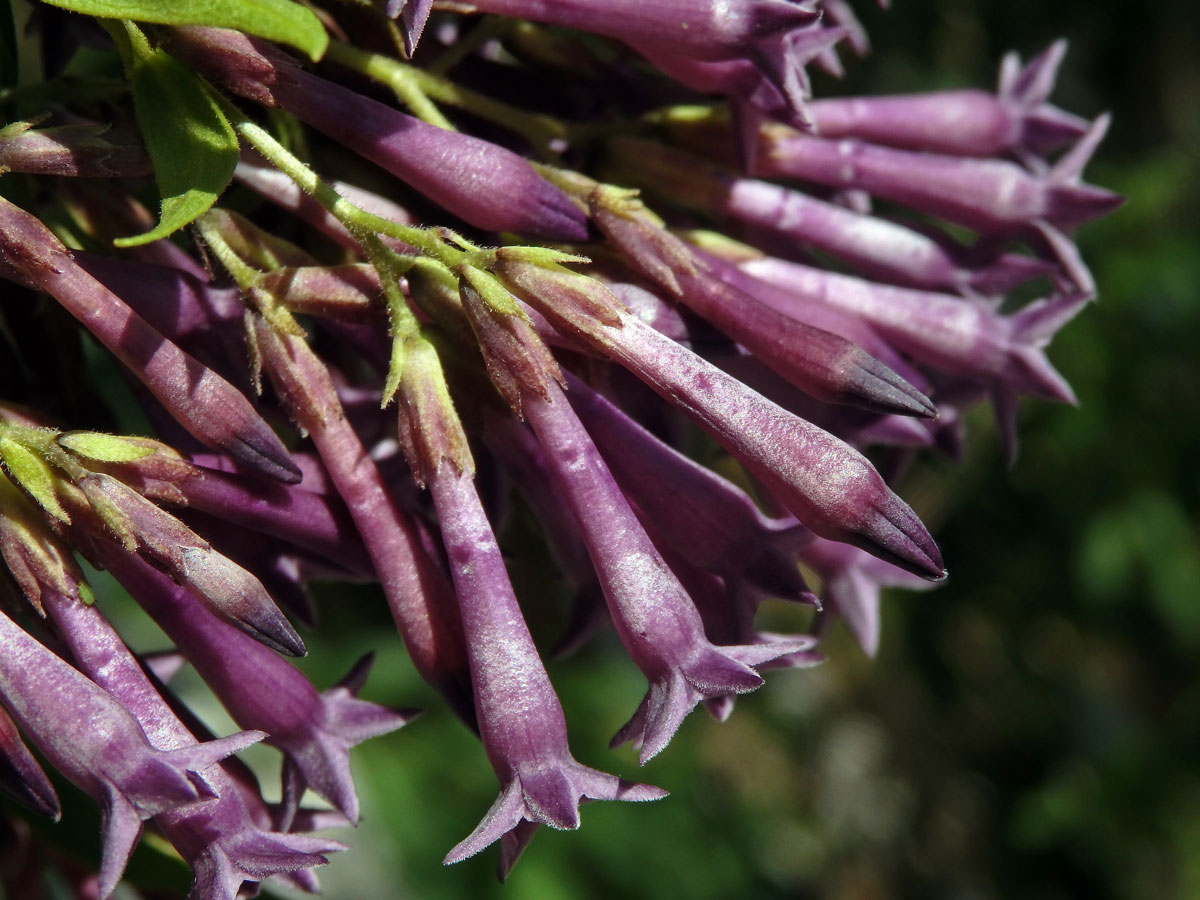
(261, 448)
(1074, 204)
(268, 626)
(878, 388)
(895, 534)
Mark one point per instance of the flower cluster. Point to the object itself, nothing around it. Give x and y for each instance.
(504, 298)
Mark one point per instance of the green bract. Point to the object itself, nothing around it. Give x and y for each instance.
(191, 143)
(103, 447)
(33, 473)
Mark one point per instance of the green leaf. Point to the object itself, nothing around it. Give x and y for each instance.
(191, 143)
(34, 474)
(103, 447)
(275, 20)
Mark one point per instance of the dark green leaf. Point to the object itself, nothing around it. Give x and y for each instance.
(191, 143)
(276, 20)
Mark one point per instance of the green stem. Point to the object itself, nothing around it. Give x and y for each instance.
(394, 75)
(360, 222)
(410, 82)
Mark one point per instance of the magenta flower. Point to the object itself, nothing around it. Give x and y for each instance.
(218, 838)
(520, 719)
(1017, 119)
(358, 256)
(314, 730)
(201, 401)
(877, 247)
(469, 177)
(826, 484)
(818, 362)
(98, 745)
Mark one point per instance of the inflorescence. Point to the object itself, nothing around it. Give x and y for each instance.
(328, 364)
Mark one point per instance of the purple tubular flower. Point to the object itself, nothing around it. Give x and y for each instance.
(961, 337)
(480, 182)
(228, 590)
(281, 568)
(819, 315)
(314, 730)
(851, 583)
(818, 362)
(218, 838)
(520, 718)
(317, 523)
(21, 778)
(856, 427)
(962, 123)
(704, 29)
(517, 450)
(879, 248)
(203, 402)
(709, 522)
(990, 196)
(656, 620)
(92, 740)
(204, 319)
(825, 483)
(86, 150)
(175, 302)
(418, 595)
(775, 36)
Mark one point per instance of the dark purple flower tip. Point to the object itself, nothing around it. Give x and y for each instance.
(226, 588)
(203, 402)
(413, 15)
(818, 362)
(891, 531)
(240, 599)
(21, 778)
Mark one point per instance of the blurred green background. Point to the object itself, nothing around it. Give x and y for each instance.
(1032, 728)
